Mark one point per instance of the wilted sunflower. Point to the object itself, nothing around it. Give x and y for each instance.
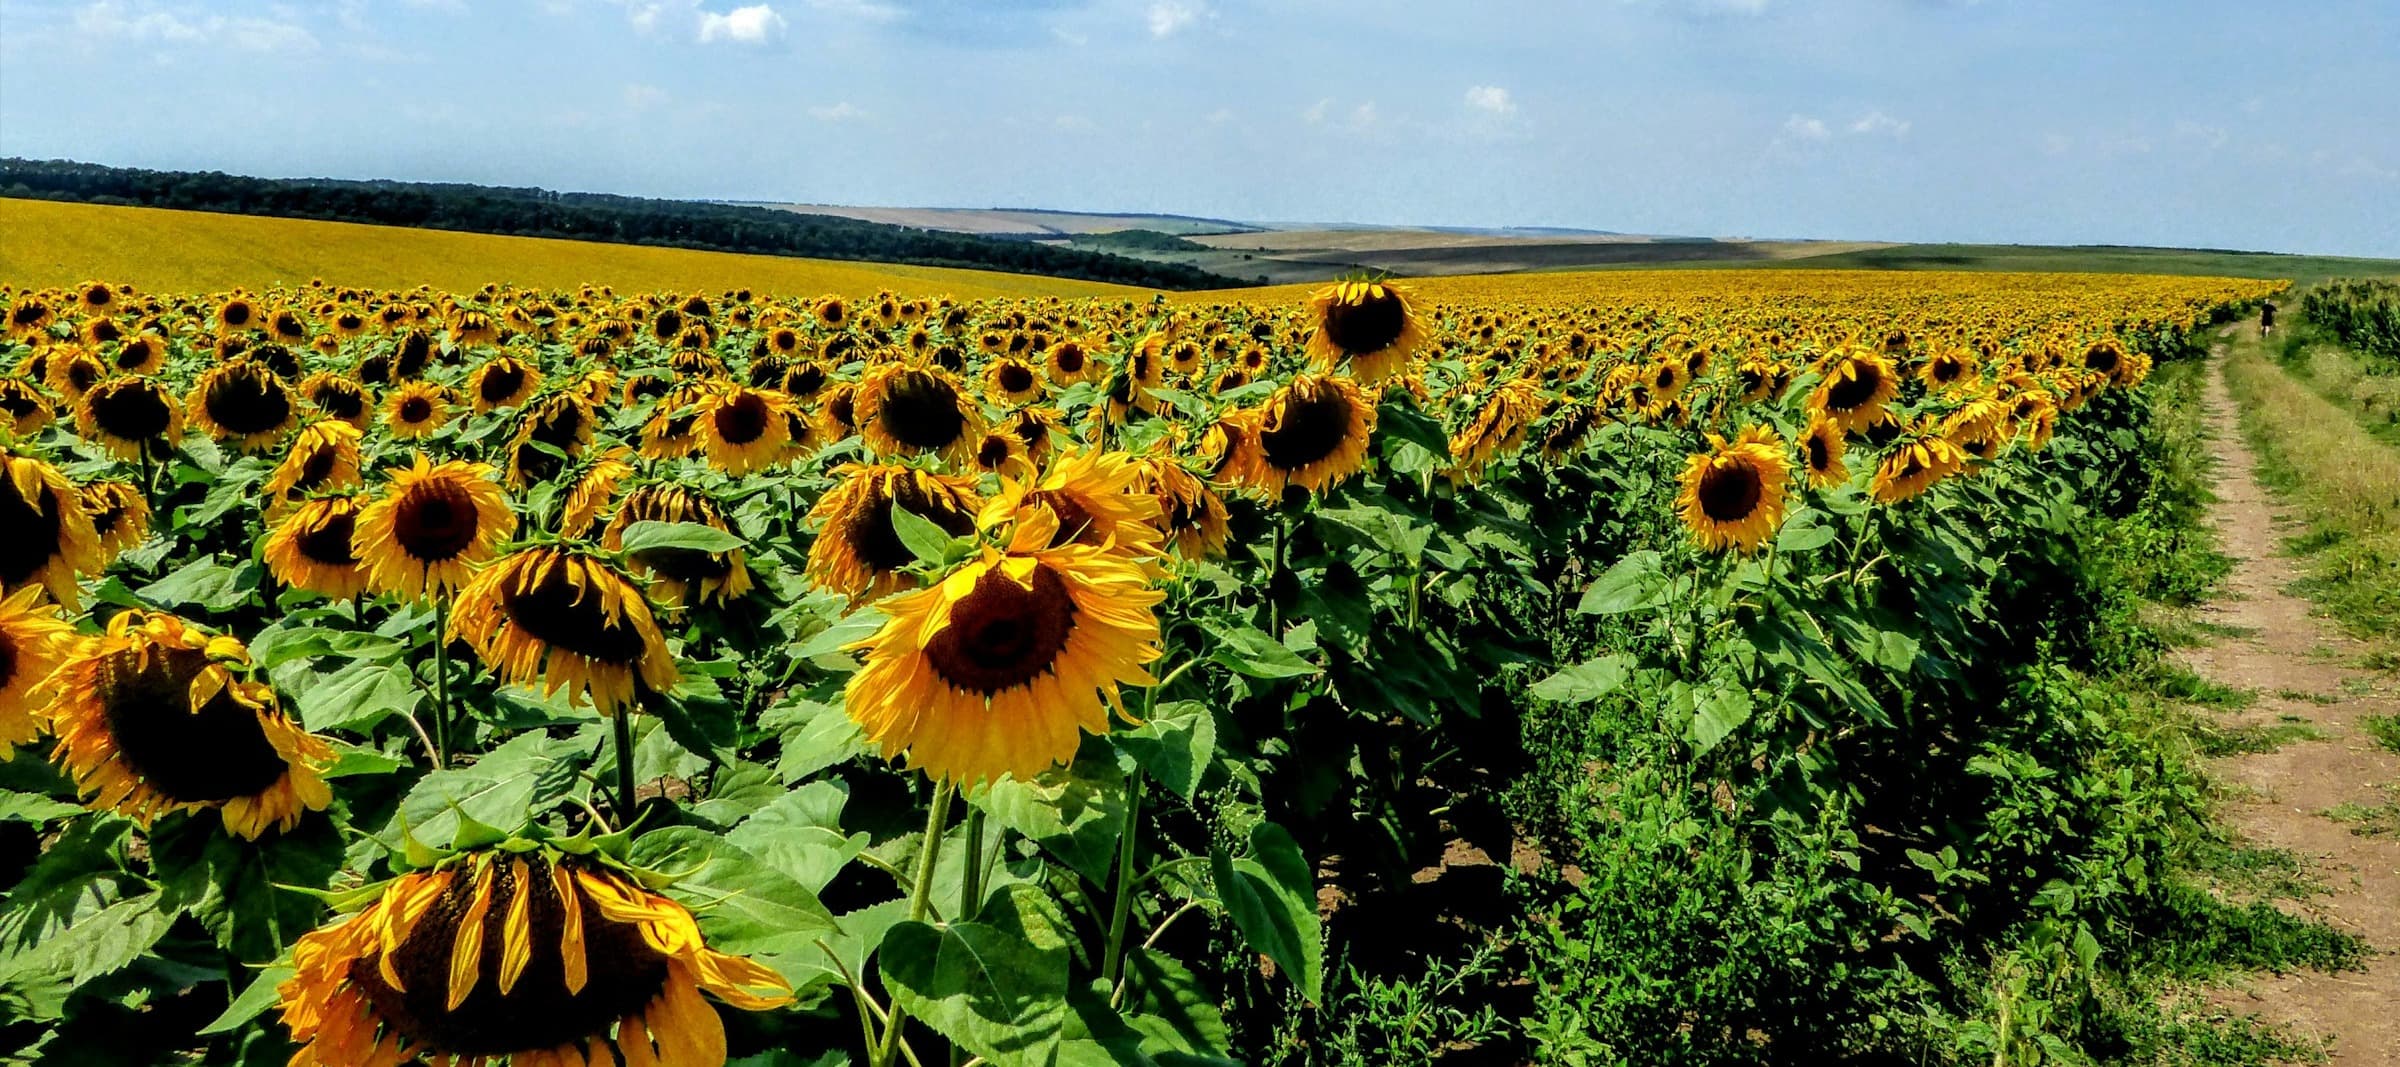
(312, 549)
(127, 414)
(416, 409)
(555, 618)
(1010, 380)
(1369, 323)
(431, 527)
(1946, 370)
(804, 380)
(539, 958)
(33, 642)
(679, 573)
(563, 421)
(594, 490)
(337, 397)
(743, 429)
(1312, 433)
(50, 536)
(1498, 428)
(120, 517)
(1733, 494)
(242, 403)
(158, 716)
(504, 381)
(1856, 386)
(28, 317)
(1192, 515)
(673, 427)
(1913, 465)
(996, 669)
(1822, 447)
(1763, 381)
(859, 554)
(23, 407)
(324, 457)
(906, 411)
(1094, 498)
(73, 372)
(140, 354)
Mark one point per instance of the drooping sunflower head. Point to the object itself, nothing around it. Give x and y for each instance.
(1011, 380)
(337, 397)
(29, 316)
(1733, 494)
(804, 380)
(1191, 514)
(1946, 370)
(558, 619)
(1000, 667)
(74, 371)
(1822, 448)
(743, 429)
(537, 957)
(431, 527)
(242, 403)
(1093, 498)
(1857, 385)
(1369, 323)
(142, 353)
(594, 491)
(860, 554)
(312, 548)
(677, 574)
(504, 381)
(1312, 433)
(1919, 460)
(33, 642)
(126, 414)
(24, 408)
(673, 428)
(1763, 381)
(325, 457)
(907, 411)
(50, 538)
(120, 516)
(999, 451)
(564, 421)
(158, 716)
(1498, 428)
(416, 410)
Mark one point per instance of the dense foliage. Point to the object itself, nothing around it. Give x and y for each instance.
(2363, 314)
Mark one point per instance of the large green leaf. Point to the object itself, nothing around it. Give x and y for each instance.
(357, 697)
(991, 990)
(692, 536)
(1075, 812)
(502, 790)
(744, 904)
(1250, 651)
(1633, 583)
(1271, 897)
(1585, 681)
(1175, 746)
(800, 834)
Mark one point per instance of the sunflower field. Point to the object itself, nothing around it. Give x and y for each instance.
(592, 678)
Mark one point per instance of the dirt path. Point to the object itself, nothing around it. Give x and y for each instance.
(2298, 666)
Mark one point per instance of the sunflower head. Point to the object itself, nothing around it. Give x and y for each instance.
(158, 716)
(140, 354)
(431, 527)
(1916, 462)
(1092, 498)
(1312, 433)
(860, 554)
(1011, 380)
(1369, 323)
(1191, 514)
(1733, 495)
(50, 536)
(559, 619)
(504, 381)
(324, 457)
(678, 573)
(564, 421)
(336, 397)
(416, 410)
(743, 429)
(120, 516)
(242, 403)
(1822, 448)
(24, 408)
(312, 547)
(127, 414)
(33, 642)
(906, 411)
(1856, 387)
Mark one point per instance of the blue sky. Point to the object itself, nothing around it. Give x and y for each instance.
(2191, 123)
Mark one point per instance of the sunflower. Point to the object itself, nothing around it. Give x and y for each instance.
(1856, 386)
(120, 517)
(1070, 361)
(1368, 323)
(537, 957)
(416, 410)
(1094, 498)
(140, 354)
(1000, 667)
(1009, 381)
(336, 397)
(1566, 426)
(999, 450)
(1191, 514)
(859, 554)
(1733, 494)
(594, 490)
(1498, 428)
(236, 314)
(159, 716)
(802, 381)
(125, 414)
(558, 618)
(1763, 381)
(33, 642)
(906, 411)
(311, 548)
(673, 427)
(1312, 433)
(1946, 370)
(23, 407)
(431, 527)
(743, 429)
(28, 317)
(563, 421)
(677, 573)
(1037, 427)
(1915, 464)
(504, 381)
(50, 536)
(73, 372)
(242, 403)
(1823, 445)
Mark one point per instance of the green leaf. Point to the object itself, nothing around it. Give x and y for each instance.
(37, 810)
(800, 833)
(824, 648)
(1075, 812)
(500, 790)
(1272, 898)
(357, 697)
(744, 905)
(932, 545)
(1171, 1007)
(1249, 651)
(1175, 746)
(1635, 582)
(992, 991)
(1717, 710)
(697, 537)
(203, 583)
(1802, 535)
(253, 1002)
(815, 736)
(1585, 681)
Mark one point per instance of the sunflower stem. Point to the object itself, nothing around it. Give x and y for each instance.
(622, 724)
(970, 899)
(1121, 908)
(920, 901)
(441, 683)
(1283, 525)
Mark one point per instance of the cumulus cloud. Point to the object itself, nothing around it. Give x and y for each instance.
(1805, 128)
(1491, 99)
(756, 24)
(1170, 17)
(1878, 123)
(643, 97)
(118, 20)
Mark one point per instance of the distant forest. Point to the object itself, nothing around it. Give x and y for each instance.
(579, 217)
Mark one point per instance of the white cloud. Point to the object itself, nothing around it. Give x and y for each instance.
(867, 10)
(643, 97)
(1876, 122)
(1316, 111)
(1806, 128)
(149, 22)
(2212, 136)
(841, 112)
(1492, 99)
(1219, 117)
(111, 19)
(1072, 122)
(756, 24)
(1169, 17)
(1363, 115)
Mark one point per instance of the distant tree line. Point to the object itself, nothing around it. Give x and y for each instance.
(579, 217)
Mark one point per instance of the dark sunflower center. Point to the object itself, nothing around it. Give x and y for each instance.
(844, 409)
(742, 421)
(1069, 359)
(1820, 455)
(18, 401)
(133, 413)
(565, 613)
(1312, 427)
(623, 974)
(1856, 391)
(436, 520)
(215, 754)
(1015, 377)
(1368, 326)
(248, 403)
(132, 355)
(804, 380)
(921, 411)
(415, 409)
(501, 383)
(877, 543)
(766, 372)
(317, 467)
(339, 402)
(8, 658)
(82, 373)
(33, 535)
(1003, 635)
(416, 350)
(329, 544)
(1730, 494)
(991, 453)
(237, 314)
(28, 315)
(1946, 371)
(2103, 360)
